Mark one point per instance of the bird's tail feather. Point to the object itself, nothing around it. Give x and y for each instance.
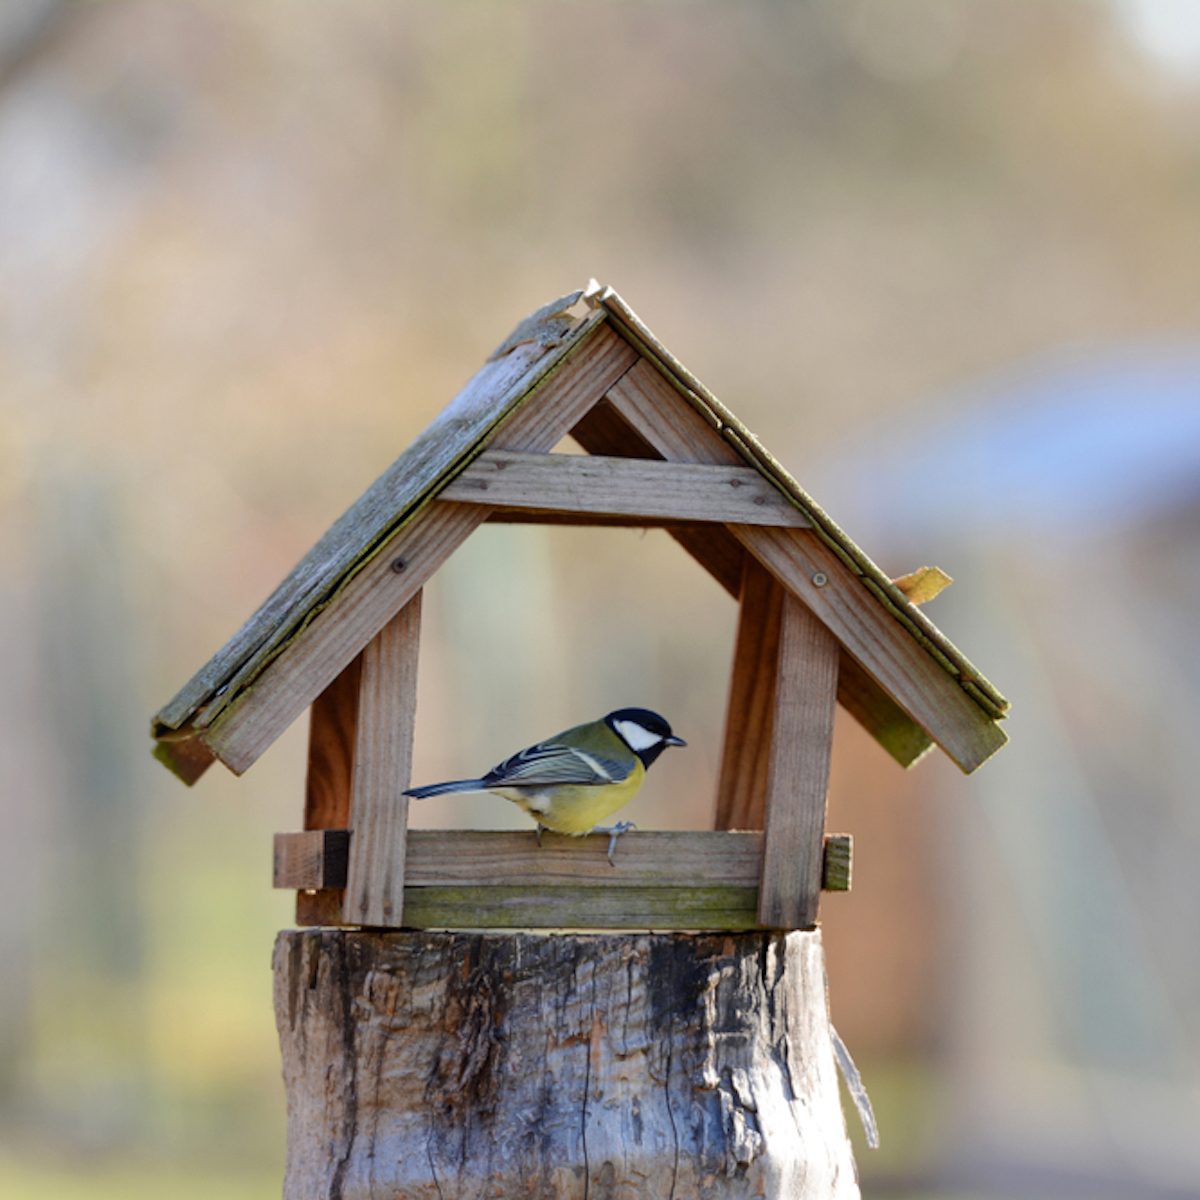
(444, 789)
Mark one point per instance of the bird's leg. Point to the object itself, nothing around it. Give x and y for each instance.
(538, 833)
(614, 832)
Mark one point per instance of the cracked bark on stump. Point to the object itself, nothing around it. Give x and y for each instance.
(456, 1065)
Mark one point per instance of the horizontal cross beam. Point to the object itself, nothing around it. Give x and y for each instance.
(317, 860)
(623, 487)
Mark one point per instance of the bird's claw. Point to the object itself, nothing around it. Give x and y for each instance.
(538, 833)
(614, 832)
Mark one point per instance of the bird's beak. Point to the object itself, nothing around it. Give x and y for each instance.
(674, 741)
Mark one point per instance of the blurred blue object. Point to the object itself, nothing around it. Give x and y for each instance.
(1068, 448)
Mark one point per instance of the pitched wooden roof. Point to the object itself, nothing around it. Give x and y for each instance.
(549, 377)
(985, 694)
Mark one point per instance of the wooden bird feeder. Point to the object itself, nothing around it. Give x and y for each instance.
(820, 625)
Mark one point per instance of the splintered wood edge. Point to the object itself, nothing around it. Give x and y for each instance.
(481, 861)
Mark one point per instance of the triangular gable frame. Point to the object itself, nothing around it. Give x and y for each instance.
(598, 378)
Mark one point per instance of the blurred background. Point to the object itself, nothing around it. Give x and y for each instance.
(944, 258)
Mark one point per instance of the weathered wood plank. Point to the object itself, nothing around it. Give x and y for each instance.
(339, 633)
(735, 432)
(469, 1065)
(536, 348)
(749, 714)
(387, 704)
(605, 431)
(316, 859)
(534, 516)
(623, 487)
(811, 570)
(458, 858)
(917, 684)
(805, 700)
(403, 565)
(543, 906)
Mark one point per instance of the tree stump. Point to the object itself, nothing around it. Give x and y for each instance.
(471, 1065)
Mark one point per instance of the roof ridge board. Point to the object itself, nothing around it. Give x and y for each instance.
(973, 681)
(320, 575)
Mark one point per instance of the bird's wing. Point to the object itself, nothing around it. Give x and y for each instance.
(550, 763)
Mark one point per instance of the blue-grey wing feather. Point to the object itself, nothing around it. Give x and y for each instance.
(550, 763)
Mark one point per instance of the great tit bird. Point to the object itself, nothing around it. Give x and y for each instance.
(570, 782)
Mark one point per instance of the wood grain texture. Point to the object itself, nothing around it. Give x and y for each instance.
(535, 516)
(805, 702)
(543, 906)
(623, 487)
(749, 714)
(316, 859)
(807, 567)
(462, 857)
(605, 431)
(387, 707)
(460, 1066)
(918, 686)
(333, 720)
(500, 878)
(535, 349)
(732, 430)
(404, 564)
(450, 858)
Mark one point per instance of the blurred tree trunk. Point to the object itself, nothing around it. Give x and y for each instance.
(455, 1065)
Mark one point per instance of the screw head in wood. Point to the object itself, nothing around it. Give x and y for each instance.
(820, 579)
(398, 565)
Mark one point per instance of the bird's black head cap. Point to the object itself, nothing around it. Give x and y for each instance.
(645, 732)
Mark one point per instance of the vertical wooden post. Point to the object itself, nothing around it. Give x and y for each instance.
(331, 735)
(387, 704)
(742, 784)
(798, 769)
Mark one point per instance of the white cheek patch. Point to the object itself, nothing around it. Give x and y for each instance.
(638, 736)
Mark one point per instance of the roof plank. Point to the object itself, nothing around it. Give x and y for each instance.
(814, 573)
(538, 345)
(402, 565)
(731, 430)
(605, 431)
